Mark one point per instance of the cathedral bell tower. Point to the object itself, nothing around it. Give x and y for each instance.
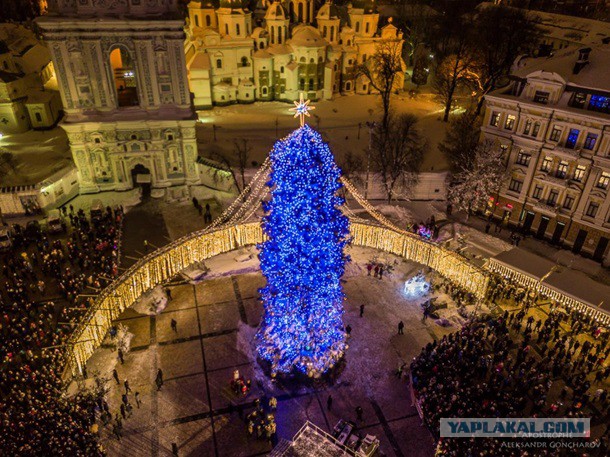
(122, 76)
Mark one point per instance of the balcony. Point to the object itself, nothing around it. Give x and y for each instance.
(543, 206)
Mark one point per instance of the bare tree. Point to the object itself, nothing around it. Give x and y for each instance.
(461, 141)
(415, 19)
(470, 188)
(501, 34)
(352, 167)
(381, 70)
(454, 73)
(239, 161)
(242, 155)
(397, 153)
(8, 164)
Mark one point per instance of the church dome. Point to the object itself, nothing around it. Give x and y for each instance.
(276, 11)
(307, 36)
(328, 11)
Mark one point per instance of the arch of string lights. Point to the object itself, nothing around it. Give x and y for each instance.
(160, 266)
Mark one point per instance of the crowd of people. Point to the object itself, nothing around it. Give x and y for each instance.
(41, 298)
(515, 365)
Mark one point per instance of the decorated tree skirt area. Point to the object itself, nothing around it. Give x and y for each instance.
(199, 408)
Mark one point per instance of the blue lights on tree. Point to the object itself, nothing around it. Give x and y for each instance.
(303, 259)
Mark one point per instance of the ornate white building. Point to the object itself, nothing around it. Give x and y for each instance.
(122, 76)
(554, 120)
(284, 48)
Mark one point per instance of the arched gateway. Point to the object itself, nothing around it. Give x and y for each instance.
(160, 266)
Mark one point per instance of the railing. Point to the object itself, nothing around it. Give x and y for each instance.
(160, 266)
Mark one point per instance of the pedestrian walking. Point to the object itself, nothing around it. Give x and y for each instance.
(123, 411)
(425, 316)
(195, 202)
(84, 372)
(121, 357)
(159, 379)
(127, 388)
(168, 292)
(207, 216)
(376, 270)
(124, 399)
(116, 431)
(380, 271)
(329, 402)
(361, 310)
(359, 413)
(174, 325)
(137, 394)
(369, 267)
(348, 329)
(401, 327)
(115, 375)
(174, 449)
(487, 227)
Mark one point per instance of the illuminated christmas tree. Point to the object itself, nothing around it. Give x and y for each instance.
(303, 259)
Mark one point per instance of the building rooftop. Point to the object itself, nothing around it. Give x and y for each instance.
(594, 75)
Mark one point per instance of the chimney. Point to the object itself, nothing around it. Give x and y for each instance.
(583, 60)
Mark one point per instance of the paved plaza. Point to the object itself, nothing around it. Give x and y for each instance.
(216, 322)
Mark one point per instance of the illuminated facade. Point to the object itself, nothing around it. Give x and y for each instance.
(553, 119)
(274, 53)
(122, 76)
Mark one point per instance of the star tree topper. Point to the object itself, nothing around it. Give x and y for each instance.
(301, 109)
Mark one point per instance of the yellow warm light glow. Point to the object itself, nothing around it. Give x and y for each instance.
(161, 265)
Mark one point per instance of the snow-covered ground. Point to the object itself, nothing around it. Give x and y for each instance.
(338, 120)
(37, 154)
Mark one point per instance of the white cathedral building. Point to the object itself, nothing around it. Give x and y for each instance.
(282, 49)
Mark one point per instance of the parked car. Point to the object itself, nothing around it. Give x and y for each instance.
(55, 222)
(6, 242)
(97, 210)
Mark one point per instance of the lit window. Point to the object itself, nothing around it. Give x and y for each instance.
(536, 129)
(572, 138)
(528, 127)
(599, 103)
(515, 185)
(537, 192)
(579, 173)
(555, 133)
(218, 63)
(592, 209)
(495, 119)
(523, 158)
(604, 180)
(510, 122)
(541, 97)
(579, 99)
(562, 170)
(546, 164)
(590, 141)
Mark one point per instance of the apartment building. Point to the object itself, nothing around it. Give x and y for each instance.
(553, 119)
